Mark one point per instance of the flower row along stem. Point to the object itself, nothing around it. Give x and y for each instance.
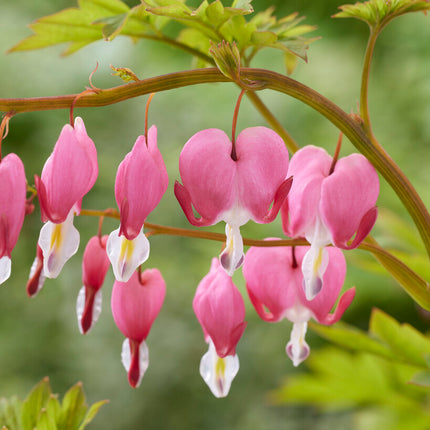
(259, 79)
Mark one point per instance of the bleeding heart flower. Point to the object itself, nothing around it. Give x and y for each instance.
(68, 174)
(13, 189)
(233, 188)
(274, 282)
(140, 183)
(135, 305)
(95, 265)
(328, 207)
(220, 310)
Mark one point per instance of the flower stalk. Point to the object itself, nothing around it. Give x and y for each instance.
(265, 79)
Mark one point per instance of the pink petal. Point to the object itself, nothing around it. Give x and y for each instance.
(220, 310)
(208, 173)
(344, 302)
(271, 281)
(347, 195)
(95, 263)
(12, 202)
(140, 184)
(36, 278)
(262, 165)
(69, 173)
(309, 167)
(135, 305)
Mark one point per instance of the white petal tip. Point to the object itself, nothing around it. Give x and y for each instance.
(126, 255)
(218, 373)
(135, 359)
(88, 309)
(5, 268)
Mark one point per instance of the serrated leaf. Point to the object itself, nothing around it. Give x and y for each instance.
(171, 8)
(112, 25)
(73, 408)
(407, 343)
(263, 38)
(75, 25)
(33, 404)
(92, 412)
(377, 13)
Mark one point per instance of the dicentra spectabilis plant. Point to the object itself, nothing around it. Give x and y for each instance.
(327, 203)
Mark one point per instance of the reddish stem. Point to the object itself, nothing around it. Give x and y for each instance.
(146, 116)
(233, 131)
(336, 153)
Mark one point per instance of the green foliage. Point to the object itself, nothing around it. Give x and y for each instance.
(387, 338)
(41, 410)
(378, 390)
(385, 377)
(210, 22)
(377, 13)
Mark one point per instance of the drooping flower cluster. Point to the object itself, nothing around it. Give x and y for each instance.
(329, 203)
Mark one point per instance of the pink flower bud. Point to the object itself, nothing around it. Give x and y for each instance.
(234, 191)
(274, 281)
(135, 305)
(12, 209)
(95, 265)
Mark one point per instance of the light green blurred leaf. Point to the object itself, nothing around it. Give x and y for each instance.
(33, 404)
(73, 408)
(45, 422)
(421, 378)
(407, 343)
(74, 25)
(10, 413)
(92, 412)
(387, 338)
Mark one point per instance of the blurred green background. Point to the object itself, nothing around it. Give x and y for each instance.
(39, 337)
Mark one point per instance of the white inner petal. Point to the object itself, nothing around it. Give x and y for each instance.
(297, 348)
(58, 243)
(126, 255)
(314, 265)
(143, 358)
(5, 268)
(232, 257)
(80, 307)
(218, 373)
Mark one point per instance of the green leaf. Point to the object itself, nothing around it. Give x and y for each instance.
(290, 61)
(112, 25)
(92, 412)
(352, 338)
(45, 422)
(34, 403)
(407, 343)
(53, 408)
(170, 8)
(74, 25)
(73, 408)
(377, 13)
(10, 413)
